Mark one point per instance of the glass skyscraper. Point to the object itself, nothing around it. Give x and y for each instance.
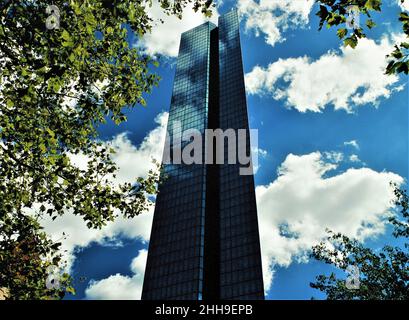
(204, 241)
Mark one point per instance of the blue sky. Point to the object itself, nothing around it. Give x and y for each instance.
(328, 169)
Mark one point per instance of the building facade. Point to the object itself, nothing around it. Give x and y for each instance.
(204, 240)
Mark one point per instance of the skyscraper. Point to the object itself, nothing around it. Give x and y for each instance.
(204, 241)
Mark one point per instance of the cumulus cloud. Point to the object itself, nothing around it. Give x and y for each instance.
(165, 37)
(354, 158)
(272, 17)
(334, 156)
(133, 161)
(136, 161)
(120, 287)
(352, 143)
(345, 79)
(304, 200)
(72, 231)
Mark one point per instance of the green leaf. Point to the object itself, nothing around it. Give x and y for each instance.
(70, 290)
(351, 41)
(373, 5)
(342, 32)
(405, 45)
(404, 17)
(370, 23)
(403, 67)
(65, 35)
(68, 42)
(26, 98)
(10, 103)
(42, 147)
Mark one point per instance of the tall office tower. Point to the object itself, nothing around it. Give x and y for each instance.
(204, 241)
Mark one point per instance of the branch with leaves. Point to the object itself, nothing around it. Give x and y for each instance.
(343, 13)
(384, 275)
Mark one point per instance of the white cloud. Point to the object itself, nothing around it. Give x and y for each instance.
(120, 287)
(347, 79)
(165, 37)
(296, 208)
(354, 158)
(133, 162)
(352, 143)
(272, 17)
(334, 156)
(137, 161)
(78, 236)
(261, 152)
(404, 5)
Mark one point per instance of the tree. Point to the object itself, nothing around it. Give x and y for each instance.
(384, 275)
(342, 13)
(27, 259)
(65, 69)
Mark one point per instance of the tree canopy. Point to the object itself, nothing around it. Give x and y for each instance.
(383, 275)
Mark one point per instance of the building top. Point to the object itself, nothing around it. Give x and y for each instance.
(233, 11)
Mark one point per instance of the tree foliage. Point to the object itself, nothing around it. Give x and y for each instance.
(26, 256)
(342, 13)
(64, 71)
(384, 275)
